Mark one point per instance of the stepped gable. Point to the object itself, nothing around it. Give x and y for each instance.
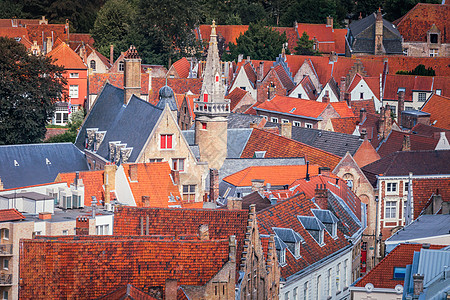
(103, 264)
(284, 215)
(261, 140)
(382, 275)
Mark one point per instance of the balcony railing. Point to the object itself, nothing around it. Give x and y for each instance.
(6, 249)
(5, 279)
(212, 107)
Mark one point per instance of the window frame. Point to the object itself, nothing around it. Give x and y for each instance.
(422, 97)
(274, 120)
(73, 91)
(309, 125)
(297, 123)
(5, 265)
(5, 233)
(166, 141)
(74, 75)
(176, 163)
(189, 194)
(391, 187)
(390, 211)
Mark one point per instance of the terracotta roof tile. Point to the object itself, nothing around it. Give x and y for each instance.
(235, 97)
(182, 66)
(415, 24)
(92, 181)
(345, 125)
(66, 57)
(261, 140)
(127, 292)
(275, 175)
(439, 109)
(285, 79)
(50, 132)
(92, 267)
(229, 32)
(178, 85)
(394, 143)
(382, 275)
(40, 33)
(251, 75)
(342, 109)
(339, 40)
(368, 105)
(12, 214)
(294, 106)
(424, 189)
(291, 36)
(153, 180)
(427, 130)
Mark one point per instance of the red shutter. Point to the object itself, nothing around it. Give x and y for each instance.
(203, 125)
(163, 141)
(217, 78)
(205, 97)
(169, 141)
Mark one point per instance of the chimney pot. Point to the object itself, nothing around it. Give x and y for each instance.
(133, 172)
(286, 130)
(418, 284)
(234, 203)
(203, 232)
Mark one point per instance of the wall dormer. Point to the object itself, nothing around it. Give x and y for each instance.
(291, 239)
(314, 227)
(328, 219)
(281, 247)
(434, 36)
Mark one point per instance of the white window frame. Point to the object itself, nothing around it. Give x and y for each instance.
(73, 91)
(283, 257)
(390, 211)
(284, 121)
(265, 117)
(309, 125)
(65, 232)
(295, 293)
(74, 75)
(5, 295)
(434, 52)
(189, 194)
(305, 290)
(438, 92)
(5, 233)
(338, 277)
(422, 97)
(297, 124)
(297, 250)
(5, 264)
(391, 187)
(273, 119)
(177, 162)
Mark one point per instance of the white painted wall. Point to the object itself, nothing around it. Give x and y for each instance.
(299, 90)
(363, 87)
(243, 81)
(331, 94)
(123, 190)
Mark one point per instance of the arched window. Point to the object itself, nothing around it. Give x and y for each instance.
(93, 64)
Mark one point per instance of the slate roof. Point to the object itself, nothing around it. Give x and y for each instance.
(240, 120)
(284, 215)
(12, 214)
(154, 181)
(394, 143)
(261, 140)
(424, 226)
(67, 58)
(92, 181)
(275, 175)
(424, 189)
(24, 165)
(102, 264)
(130, 124)
(400, 163)
(415, 24)
(382, 275)
(438, 108)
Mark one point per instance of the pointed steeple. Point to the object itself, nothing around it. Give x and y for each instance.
(212, 80)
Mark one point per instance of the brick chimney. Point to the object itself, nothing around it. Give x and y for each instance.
(401, 105)
(321, 196)
(342, 89)
(133, 172)
(379, 49)
(286, 130)
(257, 185)
(260, 73)
(330, 21)
(111, 54)
(49, 44)
(213, 185)
(406, 145)
(418, 284)
(82, 225)
(131, 74)
(326, 97)
(109, 180)
(234, 203)
(45, 215)
(362, 115)
(171, 289)
(203, 232)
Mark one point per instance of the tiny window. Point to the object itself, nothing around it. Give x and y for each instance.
(204, 125)
(265, 117)
(433, 38)
(399, 273)
(6, 264)
(74, 75)
(434, 52)
(438, 92)
(422, 97)
(308, 125)
(6, 234)
(5, 295)
(73, 91)
(166, 141)
(121, 66)
(391, 187)
(205, 97)
(406, 186)
(178, 164)
(299, 96)
(284, 121)
(65, 232)
(274, 120)
(361, 96)
(297, 124)
(283, 256)
(152, 160)
(243, 88)
(93, 64)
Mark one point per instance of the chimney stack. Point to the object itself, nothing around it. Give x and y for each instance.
(260, 74)
(203, 232)
(253, 125)
(82, 226)
(418, 284)
(401, 105)
(111, 54)
(330, 21)
(362, 115)
(342, 89)
(258, 185)
(49, 44)
(109, 180)
(131, 74)
(234, 203)
(406, 145)
(326, 97)
(379, 49)
(213, 185)
(133, 172)
(171, 289)
(321, 196)
(286, 130)
(324, 171)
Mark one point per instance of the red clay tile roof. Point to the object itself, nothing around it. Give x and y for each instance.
(394, 143)
(339, 40)
(275, 175)
(284, 215)
(182, 66)
(382, 275)
(127, 292)
(12, 214)
(261, 140)
(178, 85)
(368, 105)
(92, 181)
(415, 24)
(427, 130)
(413, 83)
(345, 125)
(67, 57)
(286, 81)
(20, 22)
(439, 109)
(14, 32)
(309, 88)
(235, 97)
(424, 189)
(229, 32)
(91, 268)
(294, 106)
(40, 33)
(251, 75)
(81, 38)
(291, 36)
(50, 132)
(342, 109)
(98, 80)
(154, 181)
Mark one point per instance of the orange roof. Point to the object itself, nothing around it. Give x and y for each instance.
(40, 33)
(294, 106)
(229, 32)
(339, 40)
(261, 140)
(382, 275)
(275, 175)
(8, 215)
(342, 109)
(67, 57)
(439, 109)
(84, 38)
(154, 181)
(368, 105)
(182, 66)
(92, 181)
(291, 36)
(235, 97)
(345, 125)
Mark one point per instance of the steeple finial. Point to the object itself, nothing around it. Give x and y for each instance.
(213, 28)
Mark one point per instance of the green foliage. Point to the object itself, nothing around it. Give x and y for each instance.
(76, 119)
(113, 26)
(29, 88)
(367, 7)
(397, 8)
(305, 46)
(309, 11)
(258, 42)
(420, 70)
(10, 9)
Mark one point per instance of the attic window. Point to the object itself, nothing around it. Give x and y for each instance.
(16, 164)
(121, 66)
(47, 161)
(259, 154)
(291, 239)
(292, 110)
(328, 219)
(314, 227)
(399, 273)
(433, 38)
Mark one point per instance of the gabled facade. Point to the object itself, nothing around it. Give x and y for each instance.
(363, 88)
(305, 89)
(245, 79)
(97, 63)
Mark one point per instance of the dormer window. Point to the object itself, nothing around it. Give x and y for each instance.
(121, 66)
(328, 219)
(297, 249)
(280, 246)
(283, 257)
(433, 38)
(291, 239)
(314, 227)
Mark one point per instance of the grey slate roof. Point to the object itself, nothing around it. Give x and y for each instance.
(424, 226)
(32, 166)
(334, 142)
(130, 124)
(166, 96)
(236, 140)
(239, 120)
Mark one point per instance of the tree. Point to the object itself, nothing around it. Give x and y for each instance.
(10, 9)
(76, 119)
(258, 42)
(397, 8)
(420, 70)
(113, 26)
(309, 11)
(29, 88)
(305, 46)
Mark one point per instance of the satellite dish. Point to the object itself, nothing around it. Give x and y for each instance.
(369, 287)
(399, 288)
